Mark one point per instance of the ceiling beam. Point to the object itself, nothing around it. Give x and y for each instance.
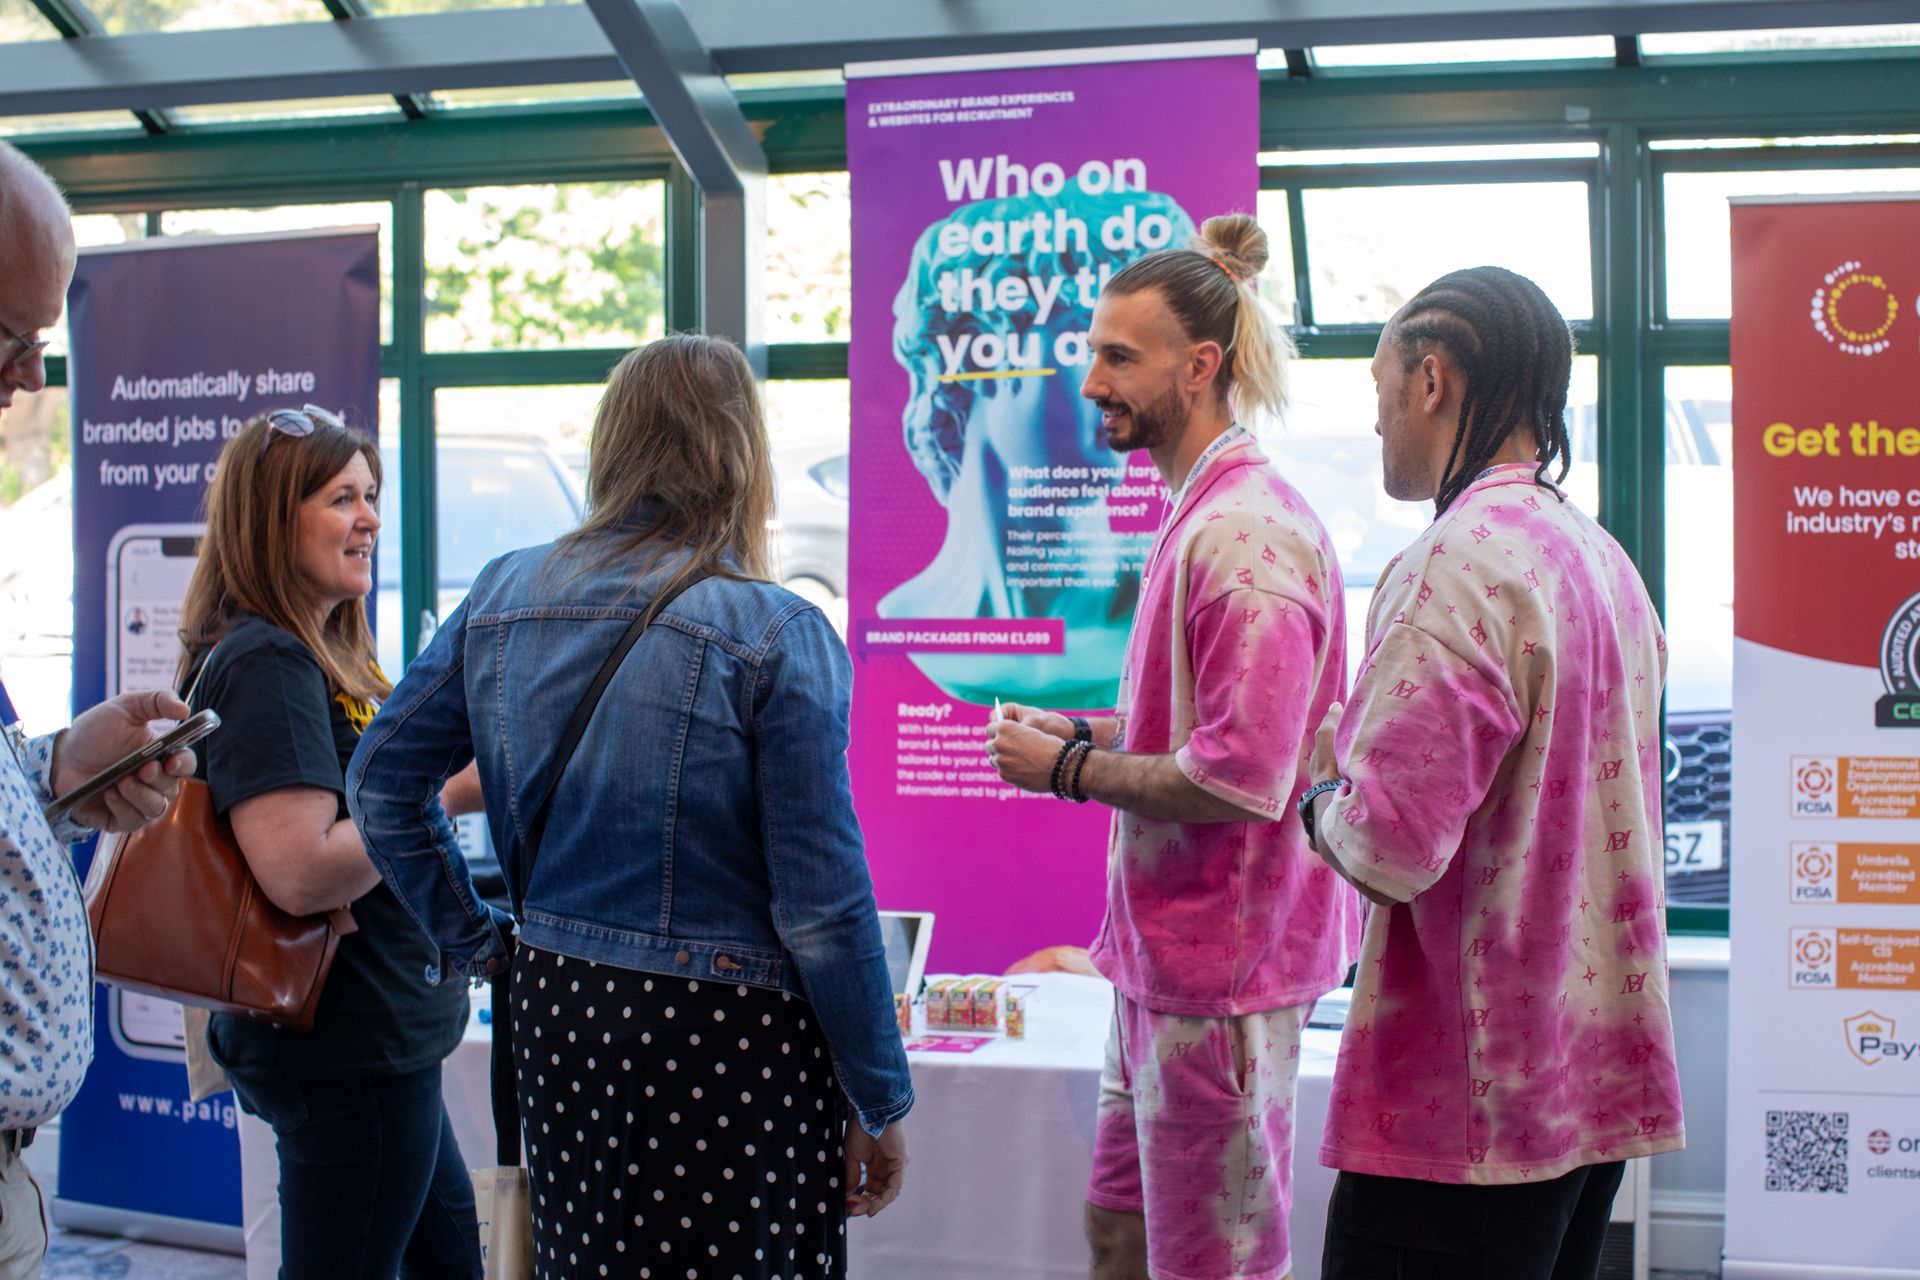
(74, 20)
(565, 44)
(693, 105)
(414, 106)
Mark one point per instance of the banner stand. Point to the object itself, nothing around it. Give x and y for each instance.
(1823, 998)
(177, 343)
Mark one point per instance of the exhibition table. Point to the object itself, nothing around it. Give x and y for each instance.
(1001, 1141)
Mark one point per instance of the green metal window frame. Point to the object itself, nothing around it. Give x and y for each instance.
(1621, 109)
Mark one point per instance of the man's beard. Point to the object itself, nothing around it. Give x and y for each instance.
(1148, 426)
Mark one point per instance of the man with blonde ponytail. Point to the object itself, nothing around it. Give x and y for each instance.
(1222, 928)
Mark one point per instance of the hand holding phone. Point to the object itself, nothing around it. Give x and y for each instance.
(180, 737)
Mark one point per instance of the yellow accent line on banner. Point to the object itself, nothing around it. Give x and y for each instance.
(998, 373)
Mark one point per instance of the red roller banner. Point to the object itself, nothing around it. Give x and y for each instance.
(1823, 1098)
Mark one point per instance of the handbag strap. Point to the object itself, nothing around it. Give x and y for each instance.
(506, 1097)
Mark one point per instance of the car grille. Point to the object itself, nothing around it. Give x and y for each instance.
(1701, 790)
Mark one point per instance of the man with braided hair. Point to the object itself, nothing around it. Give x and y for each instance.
(1222, 928)
(1493, 785)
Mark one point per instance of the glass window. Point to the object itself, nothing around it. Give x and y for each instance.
(36, 558)
(1435, 52)
(400, 8)
(512, 473)
(809, 257)
(1328, 450)
(1365, 263)
(71, 122)
(1786, 38)
(809, 425)
(1277, 282)
(1698, 234)
(90, 230)
(19, 21)
(288, 109)
(577, 264)
(535, 94)
(1699, 622)
(1282, 157)
(297, 217)
(127, 17)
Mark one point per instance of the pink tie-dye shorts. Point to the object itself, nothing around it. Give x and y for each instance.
(1196, 1132)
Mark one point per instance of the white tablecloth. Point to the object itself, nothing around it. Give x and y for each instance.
(1000, 1144)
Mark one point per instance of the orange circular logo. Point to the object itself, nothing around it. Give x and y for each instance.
(1854, 309)
(1813, 950)
(1814, 779)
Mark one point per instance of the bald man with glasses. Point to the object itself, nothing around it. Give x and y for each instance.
(46, 985)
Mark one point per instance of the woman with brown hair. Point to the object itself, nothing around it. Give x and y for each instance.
(709, 1073)
(276, 640)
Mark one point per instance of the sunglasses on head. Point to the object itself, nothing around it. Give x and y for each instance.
(299, 422)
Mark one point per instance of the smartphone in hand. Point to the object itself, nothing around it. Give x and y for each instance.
(181, 736)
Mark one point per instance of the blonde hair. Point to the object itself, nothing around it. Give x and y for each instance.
(680, 460)
(1209, 287)
(249, 558)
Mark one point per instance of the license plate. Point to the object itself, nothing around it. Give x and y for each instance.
(1694, 846)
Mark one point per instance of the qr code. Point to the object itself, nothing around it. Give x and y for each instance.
(1807, 1151)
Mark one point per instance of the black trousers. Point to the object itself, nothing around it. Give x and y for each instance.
(1403, 1229)
(372, 1182)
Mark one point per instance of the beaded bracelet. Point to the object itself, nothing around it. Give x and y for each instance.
(1059, 769)
(1074, 792)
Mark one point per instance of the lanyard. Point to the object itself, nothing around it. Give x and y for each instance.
(1221, 443)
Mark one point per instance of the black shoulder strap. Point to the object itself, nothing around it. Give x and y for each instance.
(506, 1101)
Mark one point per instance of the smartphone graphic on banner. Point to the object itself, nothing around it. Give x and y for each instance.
(148, 569)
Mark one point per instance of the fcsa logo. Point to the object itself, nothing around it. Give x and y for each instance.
(1814, 878)
(1811, 954)
(1854, 310)
(1816, 784)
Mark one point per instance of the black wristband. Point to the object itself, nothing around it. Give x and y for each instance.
(1082, 751)
(1312, 793)
(1059, 770)
(1082, 731)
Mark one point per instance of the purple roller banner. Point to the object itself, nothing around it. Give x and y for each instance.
(996, 541)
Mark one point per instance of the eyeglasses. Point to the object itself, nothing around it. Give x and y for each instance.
(23, 350)
(299, 422)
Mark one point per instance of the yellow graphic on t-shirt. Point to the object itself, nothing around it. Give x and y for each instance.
(359, 712)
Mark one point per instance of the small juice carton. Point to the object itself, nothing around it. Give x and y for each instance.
(1017, 1011)
(960, 1004)
(940, 1002)
(903, 1012)
(985, 999)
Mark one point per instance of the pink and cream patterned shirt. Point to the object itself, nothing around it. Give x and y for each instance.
(1237, 649)
(1502, 746)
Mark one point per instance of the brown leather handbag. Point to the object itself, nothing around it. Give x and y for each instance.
(176, 912)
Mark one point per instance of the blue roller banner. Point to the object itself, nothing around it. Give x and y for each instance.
(176, 343)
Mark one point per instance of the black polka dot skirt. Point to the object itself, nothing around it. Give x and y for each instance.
(675, 1128)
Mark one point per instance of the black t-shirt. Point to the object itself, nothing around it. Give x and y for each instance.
(279, 728)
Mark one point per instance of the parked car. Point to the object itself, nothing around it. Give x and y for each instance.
(810, 526)
(493, 493)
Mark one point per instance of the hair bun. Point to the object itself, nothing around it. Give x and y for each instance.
(1239, 240)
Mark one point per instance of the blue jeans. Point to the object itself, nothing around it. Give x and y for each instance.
(372, 1184)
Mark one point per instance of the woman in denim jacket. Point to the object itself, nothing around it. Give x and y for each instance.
(700, 993)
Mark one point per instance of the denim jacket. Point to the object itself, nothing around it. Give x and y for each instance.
(705, 827)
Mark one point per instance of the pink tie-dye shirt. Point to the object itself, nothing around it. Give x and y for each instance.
(1510, 1019)
(1237, 650)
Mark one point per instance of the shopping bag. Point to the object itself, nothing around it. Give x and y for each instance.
(504, 1200)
